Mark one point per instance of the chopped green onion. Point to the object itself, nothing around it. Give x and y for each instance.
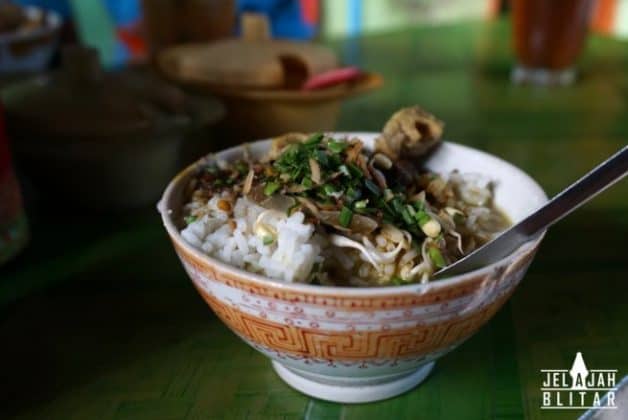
(337, 146)
(359, 205)
(271, 187)
(356, 172)
(344, 170)
(367, 210)
(293, 161)
(329, 189)
(296, 173)
(241, 167)
(372, 187)
(320, 194)
(406, 216)
(334, 161)
(353, 194)
(396, 280)
(382, 204)
(326, 201)
(314, 140)
(397, 205)
(422, 217)
(190, 219)
(436, 257)
(387, 219)
(307, 182)
(321, 157)
(268, 239)
(345, 217)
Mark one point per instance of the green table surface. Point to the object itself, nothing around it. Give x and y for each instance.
(99, 321)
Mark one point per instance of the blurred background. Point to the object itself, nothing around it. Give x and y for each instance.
(102, 102)
(125, 31)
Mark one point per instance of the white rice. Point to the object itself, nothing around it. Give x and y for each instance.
(290, 257)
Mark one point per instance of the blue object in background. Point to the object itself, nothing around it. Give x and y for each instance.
(354, 17)
(125, 14)
(105, 24)
(285, 16)
(60, 6)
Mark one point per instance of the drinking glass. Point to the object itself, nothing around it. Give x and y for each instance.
(548, 36)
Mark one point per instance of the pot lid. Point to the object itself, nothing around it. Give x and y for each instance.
(82, 99)
(252, 61)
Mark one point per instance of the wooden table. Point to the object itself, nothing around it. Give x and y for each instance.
(98, 319)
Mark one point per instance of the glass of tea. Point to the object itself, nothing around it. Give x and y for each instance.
(548, 37)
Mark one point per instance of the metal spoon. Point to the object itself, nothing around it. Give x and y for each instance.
(600, 178)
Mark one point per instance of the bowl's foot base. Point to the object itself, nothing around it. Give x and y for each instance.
(355, 392)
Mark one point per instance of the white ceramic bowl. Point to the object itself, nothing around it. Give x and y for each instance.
(361, 344)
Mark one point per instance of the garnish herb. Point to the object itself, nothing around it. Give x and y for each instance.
(436, 257)
(314, 140)
(337, 146)
(360, 205)
(422, 217)
(372, 187)
(321, 170)
(321, 157)
(241, 167)
(397, 281)
(329, 189)
(270, 188)
(355, 171)
(345, 216)
(352, 194)
(344, 170)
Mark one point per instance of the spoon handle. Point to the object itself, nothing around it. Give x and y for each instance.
(597, 180)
